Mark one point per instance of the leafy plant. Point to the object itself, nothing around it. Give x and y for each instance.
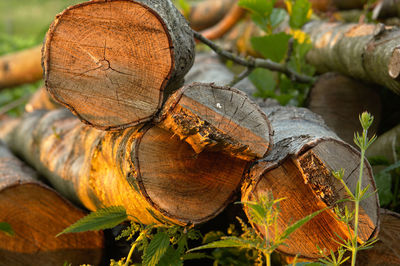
(352, 217)
(264, 213)
(288, 47)
(160, 244)
(6, 228)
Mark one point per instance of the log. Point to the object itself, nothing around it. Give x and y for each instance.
(339, 100)
(364, 51)
(37, 214)
(386, 9)
(149, 171)
(97, 62)
(41, 99)
(20, 67)
(386, 145)
(387, 250)
(207, 13)
(299, 169)
(215, 118)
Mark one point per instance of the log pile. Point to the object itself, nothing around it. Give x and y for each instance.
(173, 154)
(37, 214)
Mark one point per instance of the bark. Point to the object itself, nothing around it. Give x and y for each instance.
(386, 145)
(364, 51)
(41, 99)
(386, 9)
(95, 65)
(20, 68)
(149, 171)
(37, 214)
(208, 13)
(299, 169)
(387, 250)
(339, 100)
(214, 118)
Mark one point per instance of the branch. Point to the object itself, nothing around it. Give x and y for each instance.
(252, 62)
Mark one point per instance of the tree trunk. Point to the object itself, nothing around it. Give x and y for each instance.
(299, 169)
(37, 214)
(339, 100)
(20, 67)
(100, 57)
(41, 99)
(386, 145)
(364, 51)
(387, 250)
(208, 13)
(149, 171)
(215, 118)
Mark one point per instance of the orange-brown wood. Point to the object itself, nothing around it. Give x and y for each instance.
(20, 67)
(110, 62)
(37, 214)
(215, 118)
(41, 99)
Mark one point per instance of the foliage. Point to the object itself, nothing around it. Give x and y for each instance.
(6, 228)
(289, 47)
(264, 213)
(352, 217)
(101, 219)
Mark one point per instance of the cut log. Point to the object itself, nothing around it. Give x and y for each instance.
(208, 13)
(339, 100)
(112, 63)
(299, 169)
(386, 145)
(20, 67)
(227, 23)
(149, 171)
(214, 118)
(364, 51)
(41, 99)
(37, 214)
(387, 250)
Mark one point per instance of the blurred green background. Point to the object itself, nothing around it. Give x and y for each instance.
(23, 24)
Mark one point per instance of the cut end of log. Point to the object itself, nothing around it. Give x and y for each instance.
(101, 61)
(214, 118)
(307, 184)
(184, 185)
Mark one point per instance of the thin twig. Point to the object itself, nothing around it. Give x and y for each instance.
(241, 76)
(252, 62)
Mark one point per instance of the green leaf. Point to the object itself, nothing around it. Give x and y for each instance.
(264, 81)
(6, 228)
(196, 256)
(101, 219)
(384, 183)
(272, 46)
(300, 10)
(171, 258)
(277, 16)
(262, 8)
(227, 242)
(308, 264)
(156, 249)
(289, 230)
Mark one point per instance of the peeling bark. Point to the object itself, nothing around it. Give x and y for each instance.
(364, 51)
(37, 214)
(214, 118)
(299, 169)
(149, 171)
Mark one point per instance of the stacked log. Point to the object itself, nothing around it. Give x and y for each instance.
(37, 214)
(299, 169)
